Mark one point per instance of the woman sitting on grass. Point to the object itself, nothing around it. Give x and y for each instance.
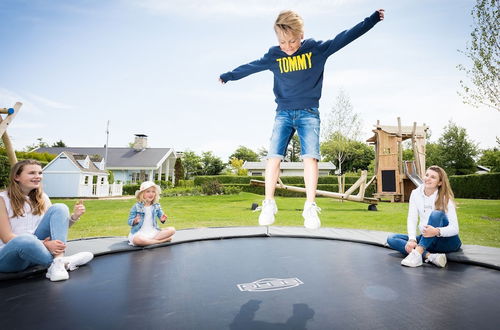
(433, 204)
(145, 230)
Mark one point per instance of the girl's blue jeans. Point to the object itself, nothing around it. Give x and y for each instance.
(28, 250)
(430, 244)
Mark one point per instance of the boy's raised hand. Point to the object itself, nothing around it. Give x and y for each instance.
(381, 13)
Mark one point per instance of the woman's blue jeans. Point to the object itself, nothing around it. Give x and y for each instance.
(28, 250)
(430, 244)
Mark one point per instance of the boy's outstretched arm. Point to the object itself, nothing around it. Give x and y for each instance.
(345, 37)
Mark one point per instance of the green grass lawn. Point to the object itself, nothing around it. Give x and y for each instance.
(479, 220)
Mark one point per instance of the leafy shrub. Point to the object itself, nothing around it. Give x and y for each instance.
(231, 190)
(212, 188)
(4, 171)
(182, 191)
(130, 189)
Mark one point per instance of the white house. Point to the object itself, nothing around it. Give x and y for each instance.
(74, 175)
(287, 168)
(130, 165)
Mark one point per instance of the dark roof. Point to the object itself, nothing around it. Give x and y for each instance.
(75, 157)
(117, 157)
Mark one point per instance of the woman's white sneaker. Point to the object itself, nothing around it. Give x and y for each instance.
(438, 259)
(414, 259)
(56, 271)
(77, 260)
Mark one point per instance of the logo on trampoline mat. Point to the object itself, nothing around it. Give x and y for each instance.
(270, 284)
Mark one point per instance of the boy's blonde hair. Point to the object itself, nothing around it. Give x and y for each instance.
(445, 194)
(289, 22)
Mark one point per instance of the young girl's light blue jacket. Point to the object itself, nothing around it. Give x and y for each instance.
(138, 209)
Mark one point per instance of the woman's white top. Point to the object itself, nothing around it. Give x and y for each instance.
(25, 224)
(421, 207)
(147, 229)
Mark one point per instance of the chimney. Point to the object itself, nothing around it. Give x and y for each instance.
(140, 142)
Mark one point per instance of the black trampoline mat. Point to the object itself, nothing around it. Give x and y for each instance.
(345, 285)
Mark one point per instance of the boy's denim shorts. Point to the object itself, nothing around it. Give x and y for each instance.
(306, 122)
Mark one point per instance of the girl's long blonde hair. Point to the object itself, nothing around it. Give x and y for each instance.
(445, 194)
(16, 195)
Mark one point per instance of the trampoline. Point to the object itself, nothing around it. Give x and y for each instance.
(256, 278)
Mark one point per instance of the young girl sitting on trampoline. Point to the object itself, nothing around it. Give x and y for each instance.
(433, 204)
(32, 231)
(142, 218)
(298, 67)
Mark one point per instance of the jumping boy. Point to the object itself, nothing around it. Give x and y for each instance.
(297, 66)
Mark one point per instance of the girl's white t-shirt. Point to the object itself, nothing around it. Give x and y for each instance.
(25, 224)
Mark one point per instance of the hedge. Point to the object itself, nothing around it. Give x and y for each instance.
(476, 186)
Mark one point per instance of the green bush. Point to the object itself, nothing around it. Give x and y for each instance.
(130, 189)
(212, 188)
(4, 171)
(231, 190)
(485, 186)
(185, 183)
(182, 191)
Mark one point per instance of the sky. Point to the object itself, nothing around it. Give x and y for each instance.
(151, 67)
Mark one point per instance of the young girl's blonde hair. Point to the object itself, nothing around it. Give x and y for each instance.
(139, 194)
(289, 22)
(16, 195)
(445, 194)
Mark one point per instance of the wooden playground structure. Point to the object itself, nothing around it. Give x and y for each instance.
(4, 123)
(394, 178)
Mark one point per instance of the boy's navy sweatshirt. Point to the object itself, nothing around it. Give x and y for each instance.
(298, 78)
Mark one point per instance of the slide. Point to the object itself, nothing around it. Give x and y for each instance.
(412, 173)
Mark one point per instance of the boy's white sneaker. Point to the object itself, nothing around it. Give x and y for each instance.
(310, 214)
(267, 212)
(438, 259)
(414, 259)
(77, 260)
(56, 271)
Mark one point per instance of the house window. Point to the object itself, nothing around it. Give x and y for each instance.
(102, 180)
(256, 173)
(86, 179)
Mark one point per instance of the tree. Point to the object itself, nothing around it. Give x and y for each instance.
(457, 151)
(211, 164)
(192, 164)
(237, 166)
(360, 155)
(245, 154)
(262, 152)
(59, 143)
(491, 158)
(293, 149)
(355, 155)
(39, 144)
(342, 127)
(178, 171)
(433, 154)
(484, 54)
